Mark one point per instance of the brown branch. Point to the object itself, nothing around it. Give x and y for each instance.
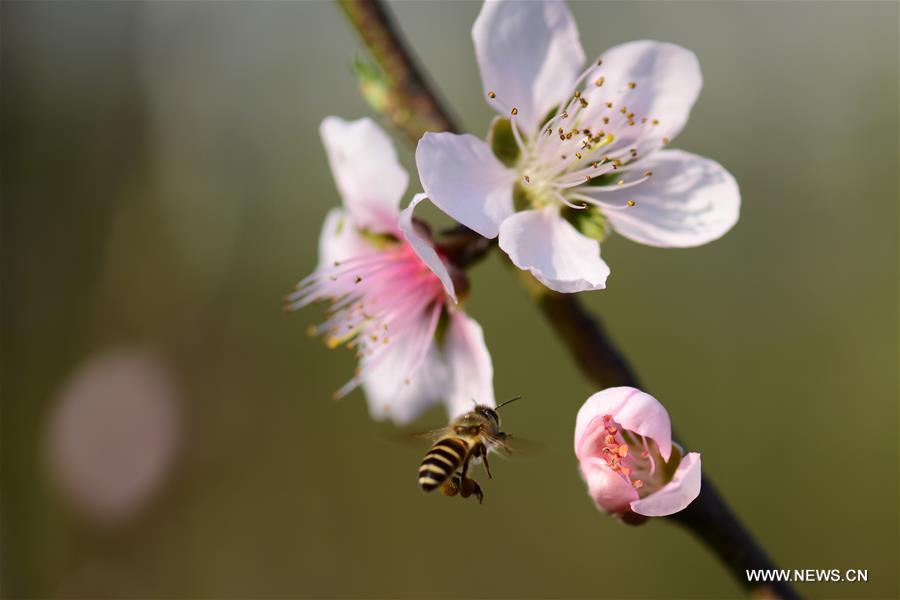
(709, 516)
(404, 96)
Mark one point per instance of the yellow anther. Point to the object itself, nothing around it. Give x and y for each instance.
(631, 203)
(600, 81)
(492, 95)
(632, 84)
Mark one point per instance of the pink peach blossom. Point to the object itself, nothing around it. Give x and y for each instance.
(623, 442)
(393, 298)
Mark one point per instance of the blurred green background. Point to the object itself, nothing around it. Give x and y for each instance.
(167, 431)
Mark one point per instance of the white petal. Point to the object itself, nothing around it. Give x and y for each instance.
(667, 82)
(675, 495)
(463, 178)
(690, 200)
(339, 240)
(469, 362)
(391, 395)
(553, 251)
(424, 247)
(528, 54)
(365, 168)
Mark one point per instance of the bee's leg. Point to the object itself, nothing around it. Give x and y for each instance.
(469, 486)
(464, 490)
(484, 459)
(451, 486)
(466, 485)
(478, 493)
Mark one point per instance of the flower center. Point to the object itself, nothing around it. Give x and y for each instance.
(389, 294)
(633, 457)
(584, 147)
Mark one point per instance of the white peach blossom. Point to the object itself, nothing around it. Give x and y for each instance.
(585, 149)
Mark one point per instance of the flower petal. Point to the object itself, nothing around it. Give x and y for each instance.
(464, 179)
(645, 415)
(529, 54)
(688, 201)
(605, 402)
(547, 245)
(608, 489)
(424, 247)
(339, 240)
(366, 170)
(471, 372)
(391, 395)
(675, 495)
(633, 409)
(666, 82)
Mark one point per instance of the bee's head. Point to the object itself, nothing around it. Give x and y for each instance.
(491, 413)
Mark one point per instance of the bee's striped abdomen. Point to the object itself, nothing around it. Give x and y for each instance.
(444, 458)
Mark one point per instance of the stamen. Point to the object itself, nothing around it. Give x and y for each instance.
(563, 199)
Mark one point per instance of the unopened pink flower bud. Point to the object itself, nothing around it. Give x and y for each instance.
(623, 441)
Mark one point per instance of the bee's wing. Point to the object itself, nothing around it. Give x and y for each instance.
(417, 437)
(509, 445)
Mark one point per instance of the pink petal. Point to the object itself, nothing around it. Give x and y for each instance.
(424, 247)
(366, 170)
(463, 178)
(633, 409)
(675, 495)
(548, 246)
(591, 413)
(608, 489)
(529, 54)
(469, 363)
(688, 201)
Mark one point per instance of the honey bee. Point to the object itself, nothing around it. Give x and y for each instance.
(469, 436)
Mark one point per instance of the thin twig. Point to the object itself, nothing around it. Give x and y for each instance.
(709, 516)
(408, 100)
